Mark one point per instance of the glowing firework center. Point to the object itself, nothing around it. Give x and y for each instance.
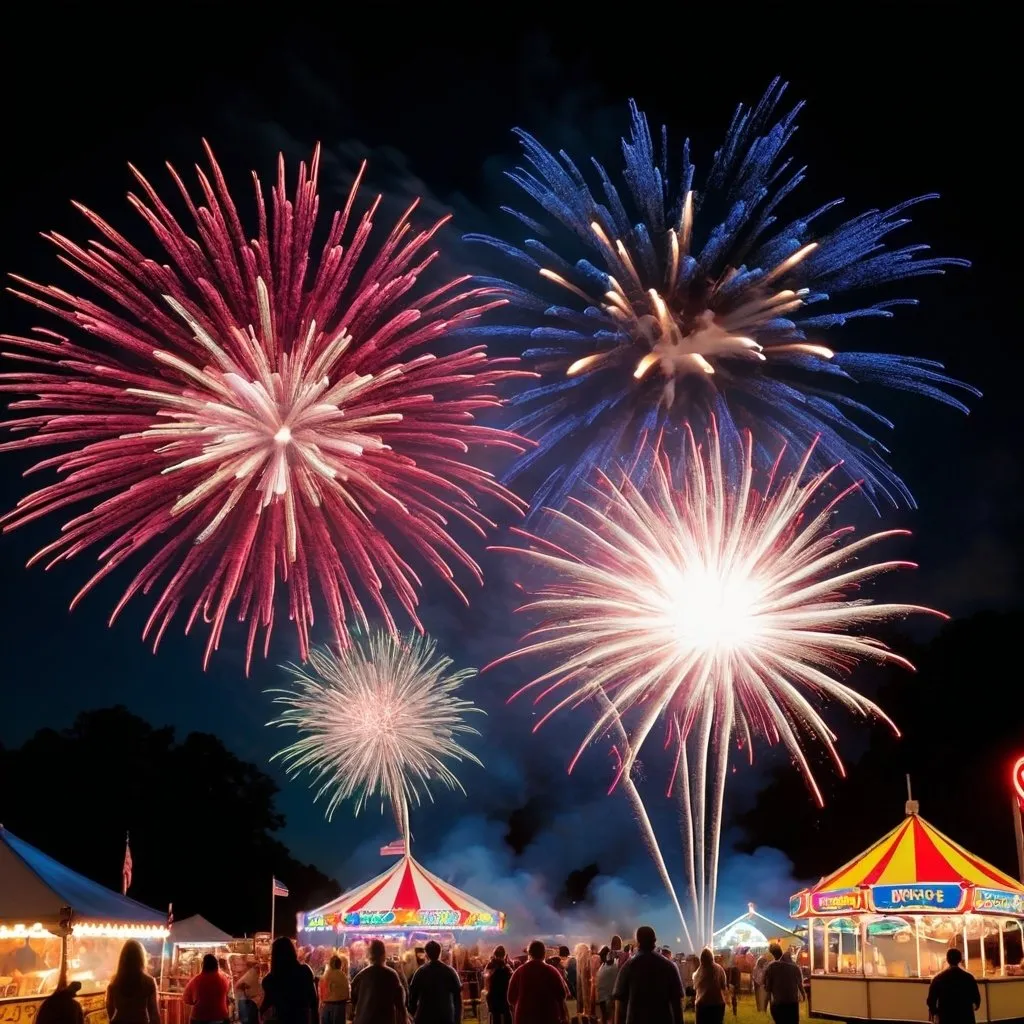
(880, 926)
(405, 899)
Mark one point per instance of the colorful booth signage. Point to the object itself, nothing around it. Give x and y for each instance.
(838, 901)
(894, 899)
(995, 901)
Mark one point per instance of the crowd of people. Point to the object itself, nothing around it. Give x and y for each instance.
(635, 983)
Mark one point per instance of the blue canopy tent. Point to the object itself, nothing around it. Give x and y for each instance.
(34, 887)
(44, 906)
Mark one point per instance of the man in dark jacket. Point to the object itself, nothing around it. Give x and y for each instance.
(435, 992)
(953, 995)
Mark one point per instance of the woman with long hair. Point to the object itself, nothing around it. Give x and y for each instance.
(710, 987)
(131, 993)
(289, 989)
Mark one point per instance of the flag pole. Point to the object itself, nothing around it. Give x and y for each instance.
(405, 828)
(273, 904)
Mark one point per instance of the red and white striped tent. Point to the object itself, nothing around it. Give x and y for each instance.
(405, 897)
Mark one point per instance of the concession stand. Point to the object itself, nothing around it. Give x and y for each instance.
(56, 924)
(879, 927)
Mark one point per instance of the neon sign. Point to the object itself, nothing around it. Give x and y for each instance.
(1018, 781)
(402, 919)
(838, 901)
(998, 901)
(896, 898)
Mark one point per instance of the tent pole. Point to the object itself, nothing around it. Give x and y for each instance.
(65, 931)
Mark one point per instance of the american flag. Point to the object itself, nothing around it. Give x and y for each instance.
(280, 889)
(126, 868)
(396, 848)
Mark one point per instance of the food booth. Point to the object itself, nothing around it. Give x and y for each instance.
(56, 923)
(190, 940)
(879, 928)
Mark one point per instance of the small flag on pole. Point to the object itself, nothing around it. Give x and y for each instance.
(279, 888)
(170, 914)
(396, 848)
(126, 867)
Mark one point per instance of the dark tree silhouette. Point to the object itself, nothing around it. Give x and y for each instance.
(962, 720)
(202, 821)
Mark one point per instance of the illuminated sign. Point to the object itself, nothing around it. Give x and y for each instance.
(838, 901)
(370, 919)
(402, 919)
(1018, 781)
(999, 901)
(796, 905)
(922, 898)
(322, 922)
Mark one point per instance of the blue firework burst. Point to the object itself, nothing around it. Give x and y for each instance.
(685, 304)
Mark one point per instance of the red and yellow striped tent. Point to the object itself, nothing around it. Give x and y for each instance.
(914, 869)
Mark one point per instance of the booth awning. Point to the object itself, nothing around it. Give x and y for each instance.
(913, 869)
(406, 896)
(34, 888)
(197, 931)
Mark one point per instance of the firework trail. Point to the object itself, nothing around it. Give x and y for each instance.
(379, 718)
(727, 612)
(247, 413)
(658, 304)
(623, 757)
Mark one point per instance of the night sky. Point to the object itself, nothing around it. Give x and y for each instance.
(901, 100)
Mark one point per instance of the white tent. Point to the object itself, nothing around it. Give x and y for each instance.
(751, 929)
(197, 931)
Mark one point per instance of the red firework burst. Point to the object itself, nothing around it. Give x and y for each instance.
(243, 413)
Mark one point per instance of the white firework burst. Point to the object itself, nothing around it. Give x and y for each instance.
(379, 718)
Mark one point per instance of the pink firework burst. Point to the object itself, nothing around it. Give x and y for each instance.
(245, 413)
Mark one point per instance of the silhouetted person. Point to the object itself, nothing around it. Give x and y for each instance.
(497, 975)
(648, 989)
(131, 994)
(289, 989)
(537, 991)
(378, 995)
(953, 995)
(784, 987)
(62, 1007)
(435, 992)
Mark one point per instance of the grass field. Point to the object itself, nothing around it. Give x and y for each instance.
(747, 1014)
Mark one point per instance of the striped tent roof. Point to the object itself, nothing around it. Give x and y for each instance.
(916, 852)
(406, 895)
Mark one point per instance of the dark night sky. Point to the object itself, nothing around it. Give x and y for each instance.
(901, 100)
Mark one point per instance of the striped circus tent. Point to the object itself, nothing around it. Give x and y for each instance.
(405, 897)
(913, 869)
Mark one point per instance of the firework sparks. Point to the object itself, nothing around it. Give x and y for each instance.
(725, 612)
(243, 414)
(378, 719)
(683, 304)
